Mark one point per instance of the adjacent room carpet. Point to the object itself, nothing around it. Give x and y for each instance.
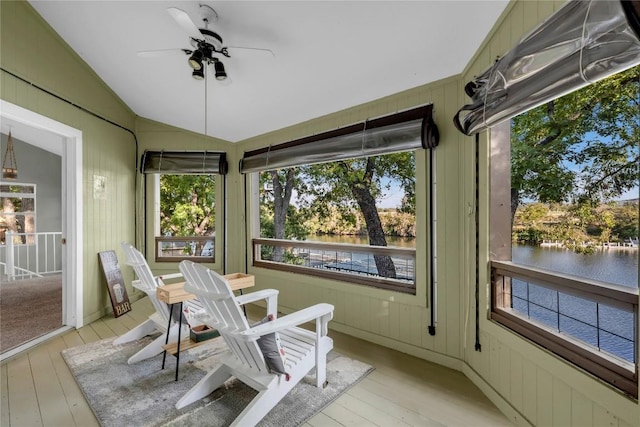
(29, 309)
(143, 394)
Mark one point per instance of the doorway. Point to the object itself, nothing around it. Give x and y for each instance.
(49, 134)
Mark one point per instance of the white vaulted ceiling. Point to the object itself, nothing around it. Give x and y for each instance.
(329, 55)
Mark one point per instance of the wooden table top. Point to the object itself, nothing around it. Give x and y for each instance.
(175, 293)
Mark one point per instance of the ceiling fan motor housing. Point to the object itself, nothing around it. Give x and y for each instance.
(211, 38)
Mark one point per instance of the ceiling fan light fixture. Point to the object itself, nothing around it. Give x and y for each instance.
(195, 60)
(212, 38)
(198, 74)
(221, 74)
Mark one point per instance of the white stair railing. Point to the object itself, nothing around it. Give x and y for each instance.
(28, 255)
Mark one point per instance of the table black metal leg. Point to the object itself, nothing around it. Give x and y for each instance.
(166, 340)
(179, 338)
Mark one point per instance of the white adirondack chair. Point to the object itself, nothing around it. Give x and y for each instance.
(304, 349)
(158, 321)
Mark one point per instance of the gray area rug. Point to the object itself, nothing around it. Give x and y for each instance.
(144, 395)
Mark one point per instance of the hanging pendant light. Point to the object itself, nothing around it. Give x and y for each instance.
(9, 165)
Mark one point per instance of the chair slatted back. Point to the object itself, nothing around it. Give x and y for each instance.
(227, 317)
(146, 281)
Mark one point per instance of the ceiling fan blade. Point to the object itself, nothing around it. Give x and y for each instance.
(253, 48)
(183, 19)
(163, 52)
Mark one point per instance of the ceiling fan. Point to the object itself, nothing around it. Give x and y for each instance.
(207, 44)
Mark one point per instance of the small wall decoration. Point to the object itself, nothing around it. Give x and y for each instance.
(99, 187)
(115, 283)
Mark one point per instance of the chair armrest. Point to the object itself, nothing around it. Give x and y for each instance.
(170, 276)
(323, 311)
(256, 296)
(270, 295)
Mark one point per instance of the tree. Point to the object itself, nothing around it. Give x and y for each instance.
(187, 206)
(278, 218)
(534, 212)
(581, 146)
(347, 184)
(627, 224)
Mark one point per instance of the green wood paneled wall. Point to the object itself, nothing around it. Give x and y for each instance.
(31, 50)
(525, 381)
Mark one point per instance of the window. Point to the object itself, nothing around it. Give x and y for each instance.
(350, 220)
(185, 203)
(186, 217)
(341, 205)
(568, 279)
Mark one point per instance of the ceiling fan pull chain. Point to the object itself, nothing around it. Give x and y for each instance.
(206, 101)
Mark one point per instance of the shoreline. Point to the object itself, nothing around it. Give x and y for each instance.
(602, 247)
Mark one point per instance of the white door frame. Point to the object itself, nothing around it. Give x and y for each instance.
(72, 260)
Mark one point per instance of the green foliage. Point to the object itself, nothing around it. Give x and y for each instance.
(534, 212)
(398, 223)
(187, 205)
(583, 146)
(325, 202)
(530, 236)
(626, 223)
(331, 184)
(577, 225)
(295, 224)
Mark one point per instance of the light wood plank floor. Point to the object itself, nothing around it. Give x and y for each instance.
(38, 389)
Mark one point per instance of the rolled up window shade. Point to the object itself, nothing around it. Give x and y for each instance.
(403, 131)
(583, 42)
(184, 162)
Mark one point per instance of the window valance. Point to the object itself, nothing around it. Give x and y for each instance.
(583, 42)
(407, 130)
(184, 162)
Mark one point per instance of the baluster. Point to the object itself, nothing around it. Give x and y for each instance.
(9, 268)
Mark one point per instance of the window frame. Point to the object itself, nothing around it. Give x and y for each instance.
(255, 241)
(613, 371)
(158, 239)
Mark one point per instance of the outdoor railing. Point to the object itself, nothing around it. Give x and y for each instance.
(351, 263)
(194, 248)
(28, 255)
(592, 324)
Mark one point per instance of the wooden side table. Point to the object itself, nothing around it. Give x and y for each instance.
(174, 293)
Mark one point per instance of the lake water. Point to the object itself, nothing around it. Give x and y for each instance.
(607, 328)
(619, 266)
